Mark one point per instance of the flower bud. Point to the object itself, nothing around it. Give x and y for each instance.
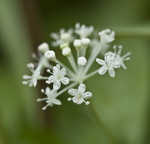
(107, 36)
(65, 36)
(66, 51)
(85, 41)
(82, 61)
(43, 47)
(77, 43)
(30, 65)
(50, 54)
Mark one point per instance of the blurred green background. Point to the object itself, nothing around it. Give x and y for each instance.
(122, 104)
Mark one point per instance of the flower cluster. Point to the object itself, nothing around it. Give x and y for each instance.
(60, 78)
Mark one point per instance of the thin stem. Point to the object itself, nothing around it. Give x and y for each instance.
(78, 53)
(42, 78)
(101, 124)
(72, 62)
(91, 74)
(83, 51)
(94, 54)
(65, 89)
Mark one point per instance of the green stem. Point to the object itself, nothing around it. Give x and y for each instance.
(67, 88)
(133, 32)
(91, 74)
(72, 62)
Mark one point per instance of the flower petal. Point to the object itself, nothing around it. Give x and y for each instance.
(72, 92)
(51, 79)
(77, 100)
(81, 88)
(111, 72)
(56, 69)
(63, 71)
(26, 77)
(65, 80)
(56, 85)
(102, 70)
(87, 94)
(56, 101)
(47, 90)
(123, 66)
(100, 61)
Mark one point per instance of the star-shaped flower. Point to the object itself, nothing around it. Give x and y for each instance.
(32, 79)
(107, 64)
(58, 77)
(63, 37)
(112, 61)
(119, 60)
(83, 31)
(51, 98)
(79, 95)
(107, 36)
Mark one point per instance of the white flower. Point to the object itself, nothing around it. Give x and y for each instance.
(112, 60)
(83, 31)
(58, 77)
(119, 60)
(62, 37)
(50, 54)
(79, 95)
(79, 47)
(51, 98)
(66, 51)
(107, 36)
(31, 80)
(82, 61)
(77, 43)
(43, 47)
(107, 64)
(85, 41)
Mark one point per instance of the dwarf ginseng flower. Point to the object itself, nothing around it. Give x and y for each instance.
(60, 77)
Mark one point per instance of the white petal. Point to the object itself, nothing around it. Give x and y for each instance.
(102, 70)
(77, 100)
(63, 71)
(26, 77)
(81, 88)
(72, 92)
(54, 36)
(51, 79)
(47, 91)
(57, 102)
(58, 66)
(34, 82)
(41, 99)
(123, 66)
(56, 69)
(87, 95)
(65, 80)
(56, 85)
(24, 82)
(111, 72)
(45, 107)
(100, 61)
